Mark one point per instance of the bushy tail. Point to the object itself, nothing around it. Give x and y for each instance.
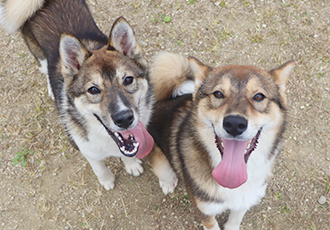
(13, 13)
(171, 76)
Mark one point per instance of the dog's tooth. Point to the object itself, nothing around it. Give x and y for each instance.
(123, 149)
(118, 137)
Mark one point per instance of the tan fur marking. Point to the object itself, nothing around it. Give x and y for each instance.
(156, 159)
(209, 222)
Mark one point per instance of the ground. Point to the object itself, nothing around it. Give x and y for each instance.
(58, 190)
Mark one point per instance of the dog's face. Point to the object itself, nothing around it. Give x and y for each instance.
(111, 85)
(238, 101)
(236, 104)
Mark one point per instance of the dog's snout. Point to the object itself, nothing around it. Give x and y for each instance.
(123, 119)
(235, 125)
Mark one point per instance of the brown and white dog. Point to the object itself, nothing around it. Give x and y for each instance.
(220, 129)
(100, 84)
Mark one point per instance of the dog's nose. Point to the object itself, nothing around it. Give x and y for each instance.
(235, 125)
(123, 119)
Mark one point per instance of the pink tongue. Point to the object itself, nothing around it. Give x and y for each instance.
(231, 171)
(142, 137)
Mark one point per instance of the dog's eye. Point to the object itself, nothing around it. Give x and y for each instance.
(128, 80)
(94, 90)
(259, 97)
(218, 94)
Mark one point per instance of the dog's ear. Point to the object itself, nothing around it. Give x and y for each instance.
(123, 40)
(73, 54)
(281, 75)
(200, 71)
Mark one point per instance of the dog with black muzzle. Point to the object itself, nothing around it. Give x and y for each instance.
(100, 84)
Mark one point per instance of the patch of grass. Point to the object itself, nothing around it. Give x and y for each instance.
(286, 209)
(21, 55)
(161, 18)
(180, 43)
(136, 5)
(221, 4)
(167, 19)
(278, 195)
(187, 203)
(23, 157)
(245, 2)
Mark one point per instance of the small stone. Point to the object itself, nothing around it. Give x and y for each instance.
(322, 200)
(143, 44)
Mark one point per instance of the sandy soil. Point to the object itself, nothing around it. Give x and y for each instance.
(58, 190)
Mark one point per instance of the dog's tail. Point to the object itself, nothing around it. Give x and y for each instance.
(171, 76)
(14, 13)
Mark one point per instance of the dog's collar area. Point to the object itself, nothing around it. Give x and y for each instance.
(127, 146)
(250, 147)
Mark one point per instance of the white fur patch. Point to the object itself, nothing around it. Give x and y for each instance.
(187, 87)
(44, 69)
(44, 66)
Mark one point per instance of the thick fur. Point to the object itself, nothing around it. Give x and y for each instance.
(186, 130)
(100, 84)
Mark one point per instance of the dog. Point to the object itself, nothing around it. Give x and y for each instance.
(220, 129)
(100, 84)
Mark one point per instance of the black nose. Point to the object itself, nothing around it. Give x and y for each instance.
(123, 119)
(235, 125)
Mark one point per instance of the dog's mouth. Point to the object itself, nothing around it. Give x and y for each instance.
(135, 141)
(231, 172)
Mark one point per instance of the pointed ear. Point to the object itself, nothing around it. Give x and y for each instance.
(73, 54)
(123, 40)
(281, 75)
(200, 71)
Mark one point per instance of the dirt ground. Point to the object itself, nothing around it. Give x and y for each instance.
(58, 190)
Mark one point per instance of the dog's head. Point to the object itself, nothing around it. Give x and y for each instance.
(111, 85)
(238, 104)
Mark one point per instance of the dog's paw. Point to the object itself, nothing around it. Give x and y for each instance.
(231, 227)
(134, 167)
(109, 182)
(107, 179)
(168, 186)
(216, 227)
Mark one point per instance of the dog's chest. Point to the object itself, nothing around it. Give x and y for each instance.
(245, 196)
(98, 145)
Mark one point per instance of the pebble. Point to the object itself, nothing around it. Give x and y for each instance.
(322, 200)
(143, 44)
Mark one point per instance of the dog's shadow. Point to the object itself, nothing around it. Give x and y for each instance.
(222, 219)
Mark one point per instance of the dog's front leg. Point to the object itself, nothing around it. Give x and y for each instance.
(105, 176)
(133, 165)
(234, 220)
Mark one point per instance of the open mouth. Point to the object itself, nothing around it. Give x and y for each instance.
(252, 144)
(231, 172)
(136, 141)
